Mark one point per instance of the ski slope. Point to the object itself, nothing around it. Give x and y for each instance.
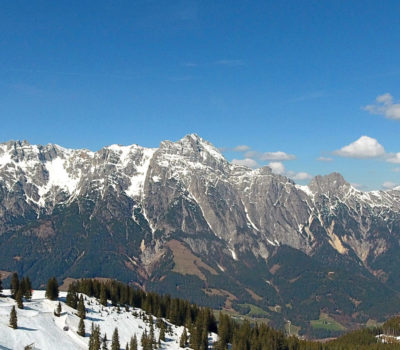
(38, 325)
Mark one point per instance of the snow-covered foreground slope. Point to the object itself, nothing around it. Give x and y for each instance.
(38, 325)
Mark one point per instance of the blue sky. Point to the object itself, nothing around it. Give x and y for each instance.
(297, 77)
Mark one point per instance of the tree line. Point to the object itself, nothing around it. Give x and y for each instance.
(198, 321)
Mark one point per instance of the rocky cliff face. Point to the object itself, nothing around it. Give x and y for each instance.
(181, 218)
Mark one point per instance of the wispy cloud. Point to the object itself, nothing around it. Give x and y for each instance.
(308, 97)
(265, 156)
(222, 62)
(301, 176)
(183, 78)
(324, 159)
(387, 185)
(385, 106)
(190, 64)
(393, 158)
(115, 75)
(279, 168)
(250, 163)
(229, 63)
(359, 186)
(241, 148)
(253, 159)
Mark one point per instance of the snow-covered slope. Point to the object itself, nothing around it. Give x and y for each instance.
(179, 215)
(38, 325)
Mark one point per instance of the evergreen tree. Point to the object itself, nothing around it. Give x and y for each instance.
(14, 286)
(184, 338)
(95, 339)
(115, 340)
(133, 343)
(26, 288)
(52, 289)
(224, 332)
(103, 295)
(72, 296)
(162, 333)
(104, 341)
(57, 312)
(81, 328)
(151, 336)
(146, 341)
(81, 308)
(127, 346)
(1, 285)
(18, 299)
(13, 318)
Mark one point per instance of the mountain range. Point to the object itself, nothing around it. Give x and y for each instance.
(181, 219)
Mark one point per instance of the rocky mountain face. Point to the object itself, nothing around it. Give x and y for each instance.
(181, 219)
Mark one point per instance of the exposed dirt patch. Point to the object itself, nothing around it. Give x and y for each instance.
(229, 297)
(294, 279)
(44, 230)
(255, 296)
(274, 268)
(4, 274)
(186, 263)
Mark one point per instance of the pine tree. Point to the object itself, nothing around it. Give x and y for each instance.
(133, 343)
(127, 346)
(26, 288)
(81, 308)
(14, 286)
(18, 299)
(115, 340)
(81, 328)
(184, 338)
(52, 289)
(104, 341)
(146, 341)
(152, 338)
(13, 318)
(162, 333)
(72, 297)
(57, 312)
(103, 295)
(95, 339)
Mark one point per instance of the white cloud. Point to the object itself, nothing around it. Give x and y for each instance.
(324, 159)
(364, 147)
(241, 148)
(384, 106)
(299, 176)
(277, 167)
(396, 170)
(359, 186)
(275, 156)
(278, 156)
(389, 185)
(251, 163)
(393, 158)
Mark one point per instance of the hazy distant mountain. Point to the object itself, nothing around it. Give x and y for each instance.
(181, 219)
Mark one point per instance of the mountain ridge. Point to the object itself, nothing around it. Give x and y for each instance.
(125, 206)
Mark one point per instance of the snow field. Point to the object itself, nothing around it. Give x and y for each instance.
(38, 325)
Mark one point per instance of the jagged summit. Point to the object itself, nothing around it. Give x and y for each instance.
(181, 218)
(329, 183)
